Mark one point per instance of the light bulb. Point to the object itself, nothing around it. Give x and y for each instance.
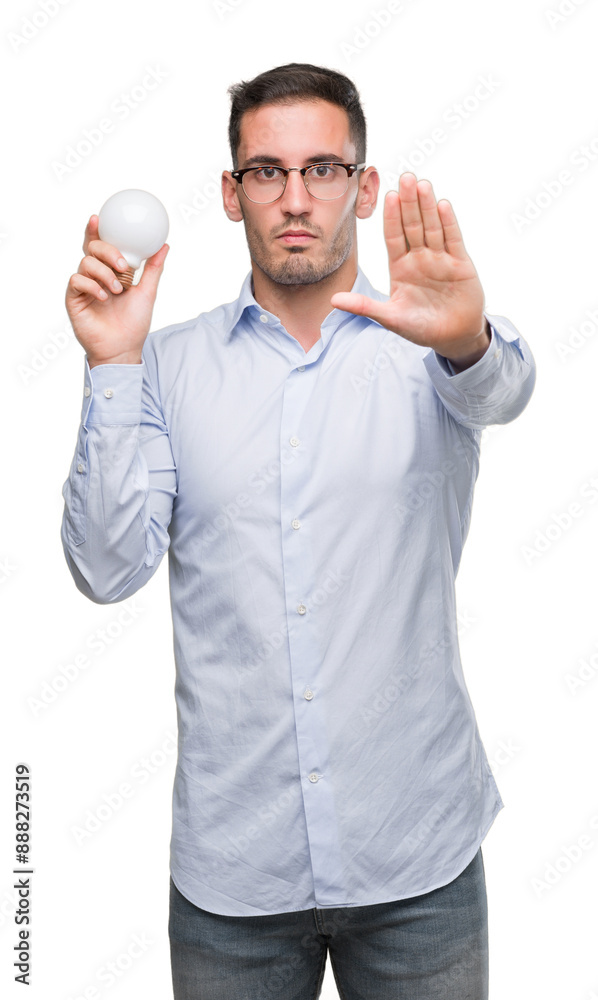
(137, 223)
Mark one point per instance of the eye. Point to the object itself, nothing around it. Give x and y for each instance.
(322, 170)
(267, 174)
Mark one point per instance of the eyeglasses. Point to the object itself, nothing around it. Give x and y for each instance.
(324, 181)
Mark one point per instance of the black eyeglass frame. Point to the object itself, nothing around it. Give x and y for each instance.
(351, 168)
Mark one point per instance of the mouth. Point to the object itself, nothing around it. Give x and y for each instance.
(295, 236)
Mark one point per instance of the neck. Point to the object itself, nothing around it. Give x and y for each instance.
(303, 308)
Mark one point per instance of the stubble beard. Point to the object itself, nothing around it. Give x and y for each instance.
(296, 268)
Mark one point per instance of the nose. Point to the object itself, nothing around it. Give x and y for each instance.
(295, 199)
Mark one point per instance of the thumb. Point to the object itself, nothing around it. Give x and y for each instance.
(153, 271)
(361, 305)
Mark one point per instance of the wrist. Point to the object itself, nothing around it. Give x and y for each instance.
(120, 359)
(472, 348)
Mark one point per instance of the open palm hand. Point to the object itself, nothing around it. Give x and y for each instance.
(436, 298)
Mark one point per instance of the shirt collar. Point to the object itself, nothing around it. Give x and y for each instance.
(246, 300)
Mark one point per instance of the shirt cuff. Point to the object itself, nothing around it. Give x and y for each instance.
(442, 371)
(112, 394)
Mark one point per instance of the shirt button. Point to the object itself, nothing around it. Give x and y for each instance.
(296, 523)
(313, 777)
(80, 468)
(108, 393)
(301, 368)
(87, 390)
(294, 442)
(308, 695)
(497, 354)
(264, 318)
(301, 609)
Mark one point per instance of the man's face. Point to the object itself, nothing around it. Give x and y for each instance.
(292, 136)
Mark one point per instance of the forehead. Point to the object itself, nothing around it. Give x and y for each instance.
(295, 131)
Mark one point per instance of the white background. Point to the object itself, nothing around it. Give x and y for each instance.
(531, 614)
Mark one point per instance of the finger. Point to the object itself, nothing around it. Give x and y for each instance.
(110, 254)
(153, 270)
(452, 234)
(94, 268)
(396, 244)
(80, 284)
(433, 231)
(359, 304)
(410, 211)
(91, 232)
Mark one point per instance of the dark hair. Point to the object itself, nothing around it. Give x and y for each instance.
(297, 82)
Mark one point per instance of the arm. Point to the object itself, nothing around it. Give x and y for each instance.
(122, 482)
(121, 486)
(495, 389)
(437, 301)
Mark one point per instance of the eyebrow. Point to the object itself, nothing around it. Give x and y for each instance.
(318, 158)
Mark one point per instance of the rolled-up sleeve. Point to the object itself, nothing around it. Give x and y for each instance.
(494, 390)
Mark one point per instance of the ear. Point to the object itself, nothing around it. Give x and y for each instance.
(367, 195)
(230, 198)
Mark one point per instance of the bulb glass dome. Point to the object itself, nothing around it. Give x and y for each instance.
(136, 222)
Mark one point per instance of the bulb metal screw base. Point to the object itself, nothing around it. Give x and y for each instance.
(126, 278)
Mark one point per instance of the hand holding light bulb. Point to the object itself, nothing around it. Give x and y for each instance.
(112, 327)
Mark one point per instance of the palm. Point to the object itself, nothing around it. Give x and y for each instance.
(115, 326)
(436, 298)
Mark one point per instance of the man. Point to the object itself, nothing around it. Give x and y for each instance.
(307, 454)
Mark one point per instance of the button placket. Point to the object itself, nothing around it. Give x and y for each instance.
(311, 725)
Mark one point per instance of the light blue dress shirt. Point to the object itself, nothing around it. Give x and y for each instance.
(314, 506)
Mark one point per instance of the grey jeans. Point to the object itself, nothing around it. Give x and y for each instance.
(428, 947)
